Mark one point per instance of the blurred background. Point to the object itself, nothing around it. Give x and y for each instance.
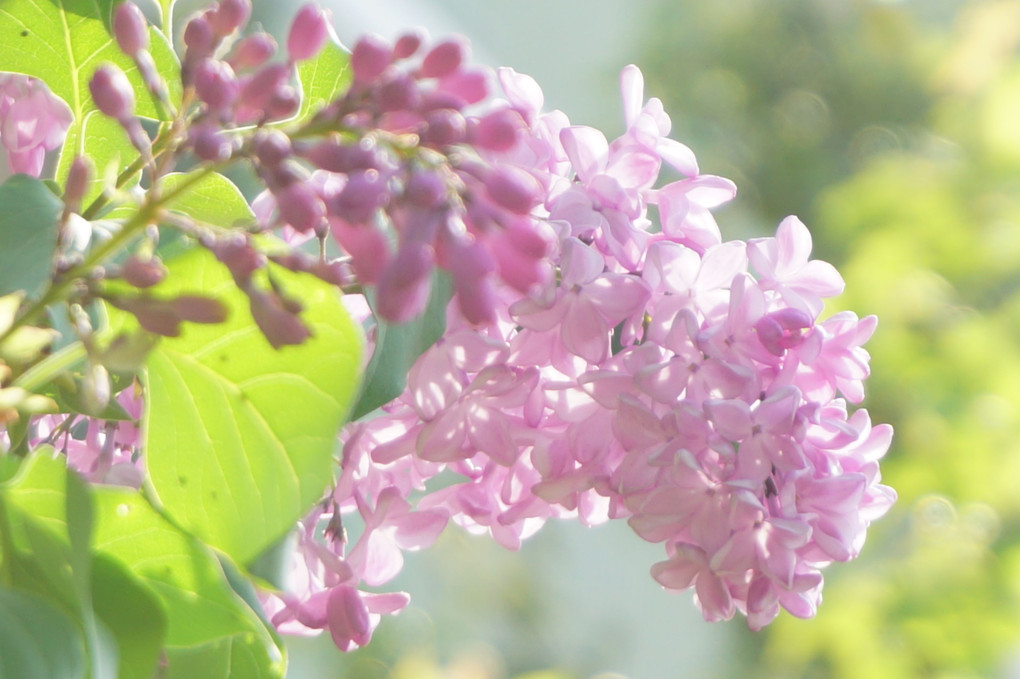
(893, 130)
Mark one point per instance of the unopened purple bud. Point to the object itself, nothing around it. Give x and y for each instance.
(253, 51)
(368, 247)
(498, 130)
(300, 206)
(216, 84)
(783, 329)
(425, 189)
(229, 16)
(404, 286)
(240, 258)
(210, 143)
(283, 104)
(362, 195)
(470, 87)
(399, 94)
(130, 29)
(153, 315)
(199, 38)
(77, 182)
(513, 189)
(263, 84)
(333, 156)
(198, 309)
(444, 126)
(370, 57)
(407, 45)
(280, 326)
(112, 92)
(308, 32)
(272, 147)
(142, 273)
(443, 59)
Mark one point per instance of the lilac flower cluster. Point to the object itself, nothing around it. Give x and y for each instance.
(666, 377)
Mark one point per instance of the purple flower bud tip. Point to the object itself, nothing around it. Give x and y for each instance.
(425, 189)
(513, 189)
(77, 182)
(407, 45)
(300, 206)
(198, 309)
(405, 284)
(143, 273)
(443, 59)
(498, 130)
(229, 16)
(308, 32)
(199, 38)
(280, 326)
(258, 90)
(444, 126)
(253, 51)
(216, 84)
(130, 29)
(210, 143)
(112, 92)
(272, 147)
(370, 57)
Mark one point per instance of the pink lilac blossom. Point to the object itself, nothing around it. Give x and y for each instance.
(669, 378)
(32, 122)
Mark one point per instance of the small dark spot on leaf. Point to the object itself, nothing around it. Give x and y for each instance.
(223, 358)
(214, 495)
(24, 34)
(183, 480)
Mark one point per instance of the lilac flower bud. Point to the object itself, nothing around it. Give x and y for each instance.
(252, 51)
(95, 389)
(513, 189)
(199, 38)
(130, 29)
(308, 32)
(407, 45)
(300, 206)
(198, 309)
(112, 92)
(399, 94)
(470, 264)
(370, 57)
(271, 147)
(153, 315)
(240, 258)
(470, 87)
(280, 326)
(783, 329)
(209, 142)
(362, 195)
(404, 286)
(368, 247)
(229, 16)
(425, 189)
(444, 126)
(283, 104)
(347, 617)
(142, 273)
(77, 182)
(263, 84)
(216, 84)
(498, 130)
(443, 59)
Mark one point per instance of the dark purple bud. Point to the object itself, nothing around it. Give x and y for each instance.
(280, 326)
(470, 264)
(308, 32)
(130, 29)
(513, 189)
(443, 59)
(216, 84)
(300, 206)
(370, 57)
(444, 126)
(143, 273)
(407, 45)
(368, 247)
(783, 329)
(404, 286)
(425, 189)
(333, 156)
(253, 51)
(210, 143)
(199, 38)
(283, 104)
(271, 147)
(77, 181)
(240, 258)
(229, 16)
(399, 94)
(363, 194)
(263, 84)
(498, 130)
(153, 315)
(112, 92)
(199, 309)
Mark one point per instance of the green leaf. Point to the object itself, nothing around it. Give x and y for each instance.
(37, 639)
(322, 78)
(240, 438)
(398, 345)
(62, 42)
(28, 234)
(224, 659)
(212, 199)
